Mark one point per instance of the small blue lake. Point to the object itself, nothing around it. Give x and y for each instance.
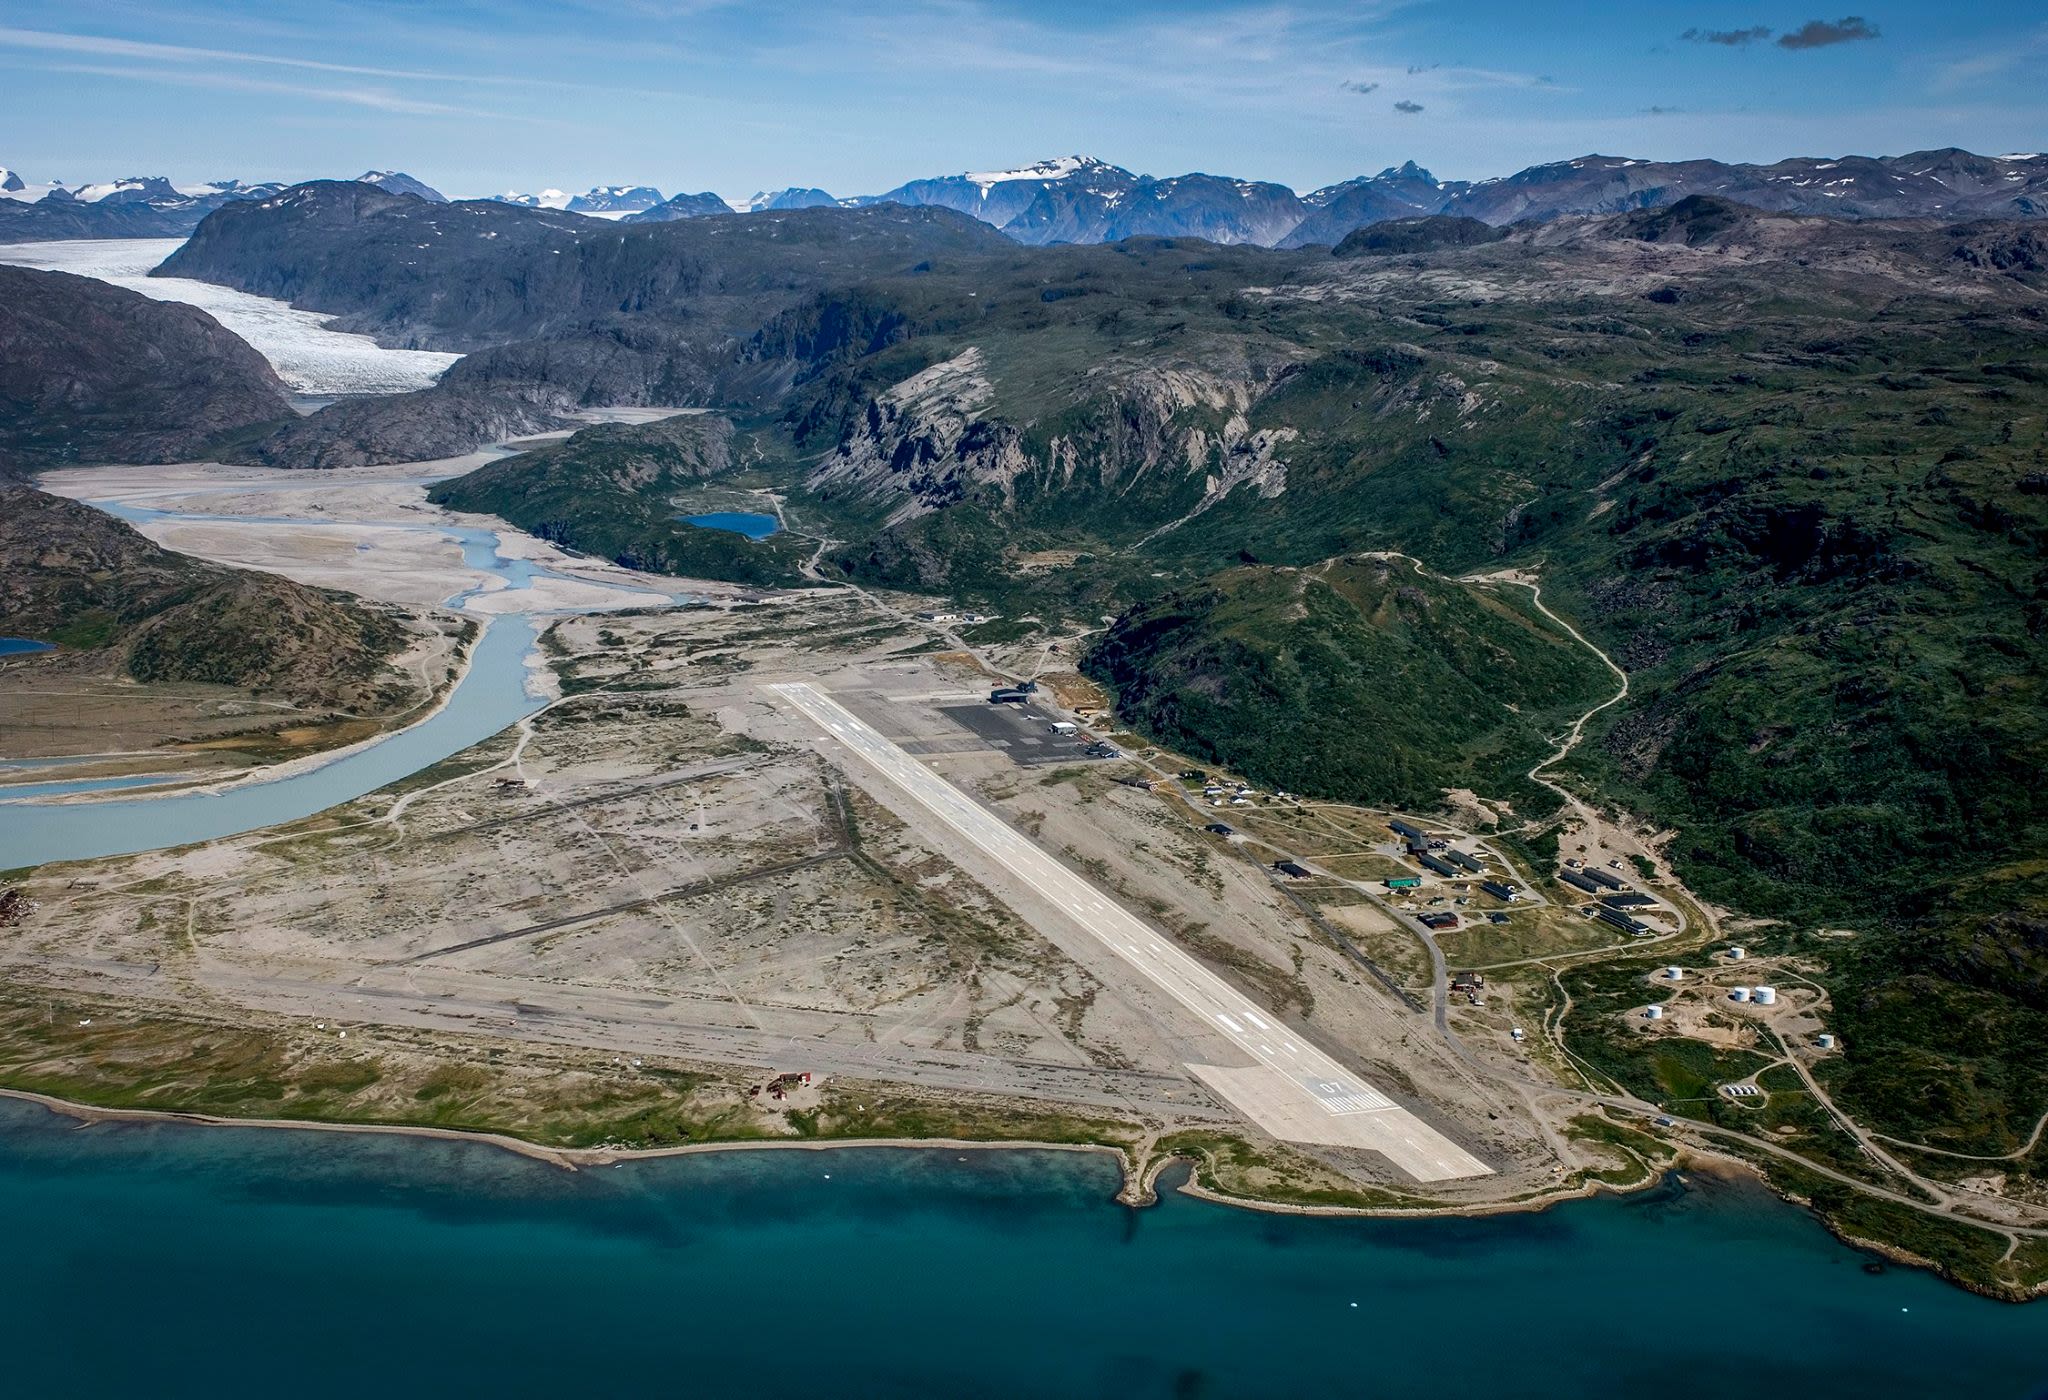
(738, 522)
(15, 646)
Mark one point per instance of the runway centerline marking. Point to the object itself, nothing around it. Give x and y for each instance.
(1309, 1072)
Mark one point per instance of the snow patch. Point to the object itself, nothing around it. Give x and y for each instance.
(1058, 168)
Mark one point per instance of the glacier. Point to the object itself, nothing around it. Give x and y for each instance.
(308, 356)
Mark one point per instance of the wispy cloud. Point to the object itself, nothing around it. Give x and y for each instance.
(175, 58)
(52, 41)
(1820, 33)
(2019, 52)
(1728, 38)
(1274, 56)
(373, 98)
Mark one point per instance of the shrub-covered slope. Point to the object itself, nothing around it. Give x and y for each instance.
(1362, 676)
(78, 577)
(610, 491)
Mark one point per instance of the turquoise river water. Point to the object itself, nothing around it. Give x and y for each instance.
(173, 1260)
(491, 695)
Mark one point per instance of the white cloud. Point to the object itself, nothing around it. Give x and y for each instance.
(227, 82)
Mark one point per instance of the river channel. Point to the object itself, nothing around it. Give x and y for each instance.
(495, 690)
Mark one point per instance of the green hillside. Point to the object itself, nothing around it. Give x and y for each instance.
(1359, 679)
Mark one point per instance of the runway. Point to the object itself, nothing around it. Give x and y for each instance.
(1291, 1089)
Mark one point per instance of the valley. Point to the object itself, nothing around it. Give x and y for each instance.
(1688, 547)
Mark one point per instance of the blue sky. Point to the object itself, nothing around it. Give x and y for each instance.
(859, 95)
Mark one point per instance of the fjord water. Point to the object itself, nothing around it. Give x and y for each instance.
(173, 1260)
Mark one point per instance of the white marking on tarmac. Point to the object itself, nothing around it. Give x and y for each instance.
(1424, 1152)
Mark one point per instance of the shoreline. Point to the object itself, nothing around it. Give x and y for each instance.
(1138, 1175)
(1138, 1187)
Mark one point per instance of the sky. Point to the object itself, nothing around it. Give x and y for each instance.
(857, 96)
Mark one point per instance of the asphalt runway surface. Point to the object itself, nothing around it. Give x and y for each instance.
(1291, 1088)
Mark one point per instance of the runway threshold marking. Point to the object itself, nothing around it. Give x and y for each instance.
(1302, 1068)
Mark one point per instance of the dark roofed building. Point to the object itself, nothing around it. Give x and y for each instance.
(1499, 890)
(1578, 881)
(1469, 862)
(1631, 900)
(1402, 828)
(1291, 869)
(1607, 878)
(1621, 921)
(1432, 863)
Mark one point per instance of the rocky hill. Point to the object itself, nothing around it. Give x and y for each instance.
(91, 372)
(112, 599)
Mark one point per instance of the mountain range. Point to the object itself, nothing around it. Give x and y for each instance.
(1078, 199)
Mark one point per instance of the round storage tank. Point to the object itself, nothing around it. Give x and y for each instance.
(1824, 1041)
(1672, 974)
(1738, 994)
(1765, 996)
(1737, 954)
(1654, 1013)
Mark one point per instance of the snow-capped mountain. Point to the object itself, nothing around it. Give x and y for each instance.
(601, 202)
(1079, 199)
(398, 182)
(615, 201)
(683, 206)
(792, 198)
(135, 206)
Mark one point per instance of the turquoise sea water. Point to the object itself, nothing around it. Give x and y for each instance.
(739, 522)
(175, 1261)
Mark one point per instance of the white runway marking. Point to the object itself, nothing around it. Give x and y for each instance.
(1282, 1090)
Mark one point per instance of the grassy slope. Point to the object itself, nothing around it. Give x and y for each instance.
(1359, 678)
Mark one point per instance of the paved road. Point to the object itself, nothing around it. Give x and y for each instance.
(1293, 1089)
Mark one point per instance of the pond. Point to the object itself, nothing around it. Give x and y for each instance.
(738, 522)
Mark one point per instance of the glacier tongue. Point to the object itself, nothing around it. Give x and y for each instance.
(307, 356)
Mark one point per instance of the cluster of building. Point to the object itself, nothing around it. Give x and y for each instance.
(1439, 857)
(1615, 897)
